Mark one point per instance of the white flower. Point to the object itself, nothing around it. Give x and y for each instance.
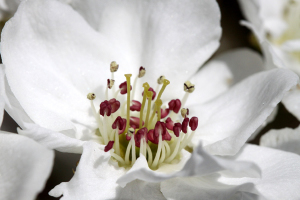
(276, 25)
(55, 55)
(25, 165)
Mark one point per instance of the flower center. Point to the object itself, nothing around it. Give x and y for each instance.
(132, 128)
(292, 16)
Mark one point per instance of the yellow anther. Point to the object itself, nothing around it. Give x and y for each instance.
(146, 88)
(165, 83)
(149, 98)
(91, 96)
(188, 87)
(128, 101)
(161, 79)
(114, 66)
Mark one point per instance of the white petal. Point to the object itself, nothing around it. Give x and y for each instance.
(227, 122)
(199, 164)
(13, 107)
(206, 187)
(2, 94)
(280, 173)
(25, 166)
(52, 63)
(222, 72)
(291, 101)
(95, 176)
(291, 45)
(171, 38)
(286, 139)
(51, 139)
(265, 15)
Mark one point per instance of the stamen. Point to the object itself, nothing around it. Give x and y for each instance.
(128, 100)
(91, 96)
(188, 88)
(140, 134)
(146, 88)
(142, 72)
(175, 105)
(177, 129)
(170, 124)
(133, 156)
(155, 162)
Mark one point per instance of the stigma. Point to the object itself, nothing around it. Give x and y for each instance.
(142, 124)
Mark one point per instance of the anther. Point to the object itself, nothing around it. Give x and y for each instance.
(161, 79)
(123, 87)
(105, 108)
(184, 112)
(119, 123)
(91, 96)
(164, 112)
(169, 124)
(109, 146)
(185, 124)
(135, 106)
(188, 87)
(177, 129)
(193, 123)
(110, 83)
(114, 66)
(115, 105)
(175, 105)
(141, 134)
(142, 72)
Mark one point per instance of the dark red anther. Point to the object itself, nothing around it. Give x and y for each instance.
(105, 108)
(115, 105)
(119, 123)
(109, 146)
(160, 128)
(185, 124)
(134, 122)
(175, 105)
(169, 124)
(154, 93)
(123, 87)
(193, 123)
(177, 129)
(141, 134)
(136, 106)
(164, 112)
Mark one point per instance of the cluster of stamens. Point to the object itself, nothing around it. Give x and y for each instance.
(143, 128)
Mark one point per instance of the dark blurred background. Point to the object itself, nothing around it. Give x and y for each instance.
(234, 36)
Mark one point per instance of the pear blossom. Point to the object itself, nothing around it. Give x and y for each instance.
(74, 83)
(25, 165)
(276, 26)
